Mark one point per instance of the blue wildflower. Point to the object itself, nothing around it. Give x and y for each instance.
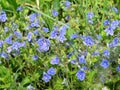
(55, 60)
(4, 55)
(8, 40)
(29, 36)
(6, 29)
(73, 61)
(114, 24)
(115, 10)
(90, 21)
(19, 8)
(61, 38)
(51, 71)
(34, 24)
(46, 30)
(106, 22)
(83, 68)
(106, 53)
(88, 41)
(1, 43)
(36, 32)
(74, 36)
(53, 34)
(63, 30)
(82, 59)
(96, 53)
(3, 16)
(109, 30)
(67, 17)
(114, 42)
(54, 13)
(118, 68)
(35, 57)
(18, 34)
(104, 63)
(44, 44)
(46, 77)
(32, 17)
(67, 4)
(90, 15)
(80, 75)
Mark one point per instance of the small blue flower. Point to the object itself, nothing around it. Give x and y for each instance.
(6, 29)
(67, 17)
(90, 21)
(80, 75)
(55, 60)
(74, 36)
(109, 30)
(1, 43)
(19, 8)
(18, 34)
(4, 55)
(88, 41)
(114, 42)
(118, 68)
(53, 34)
(3, 16)
(51, 71)
(90, 15)
(106, 22)
(54, 13)
(73, 61)
(67, 4)
(36, 32)
(8, 40)
(46, 77)
(104, 63)
(115, 10)
(29, 36)
(83, 68)
(96, 53)
(61, 38)
(46, 30)
(114, 24)
(35, 57)
(63, 30)
(82, 59)
(44, 44)
(32, 17)
(106, 53)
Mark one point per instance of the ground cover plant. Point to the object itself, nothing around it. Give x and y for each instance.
(59, 45)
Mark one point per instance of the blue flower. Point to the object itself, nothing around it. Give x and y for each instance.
(19, 8)
(6, 29)
(90, 21)
(18, 34)
(114, 42)
(109, 30)
(118, 68)
(104, 63)
(83, 68)
(53, 34)
(80, 75)
(44, 44)
(73, 61)
(46, 30)
(32, 17)
(34, 24)
(82, 59)
(90, 15)
(67, 17)
(51, 71)
(8, 40)
(74, 36)
(88, 41)
(36, 32)
(35, 57)
(114, 24)
(63, 30)
(1, 43)
(4, 55)
(67, 4)
(3, 16)
(54, 13)
(55, 60)
(115, 10)
(96, 53)
(29, 36)
(46, 77)
(106, 22)
(61, 38)
(106, 52)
